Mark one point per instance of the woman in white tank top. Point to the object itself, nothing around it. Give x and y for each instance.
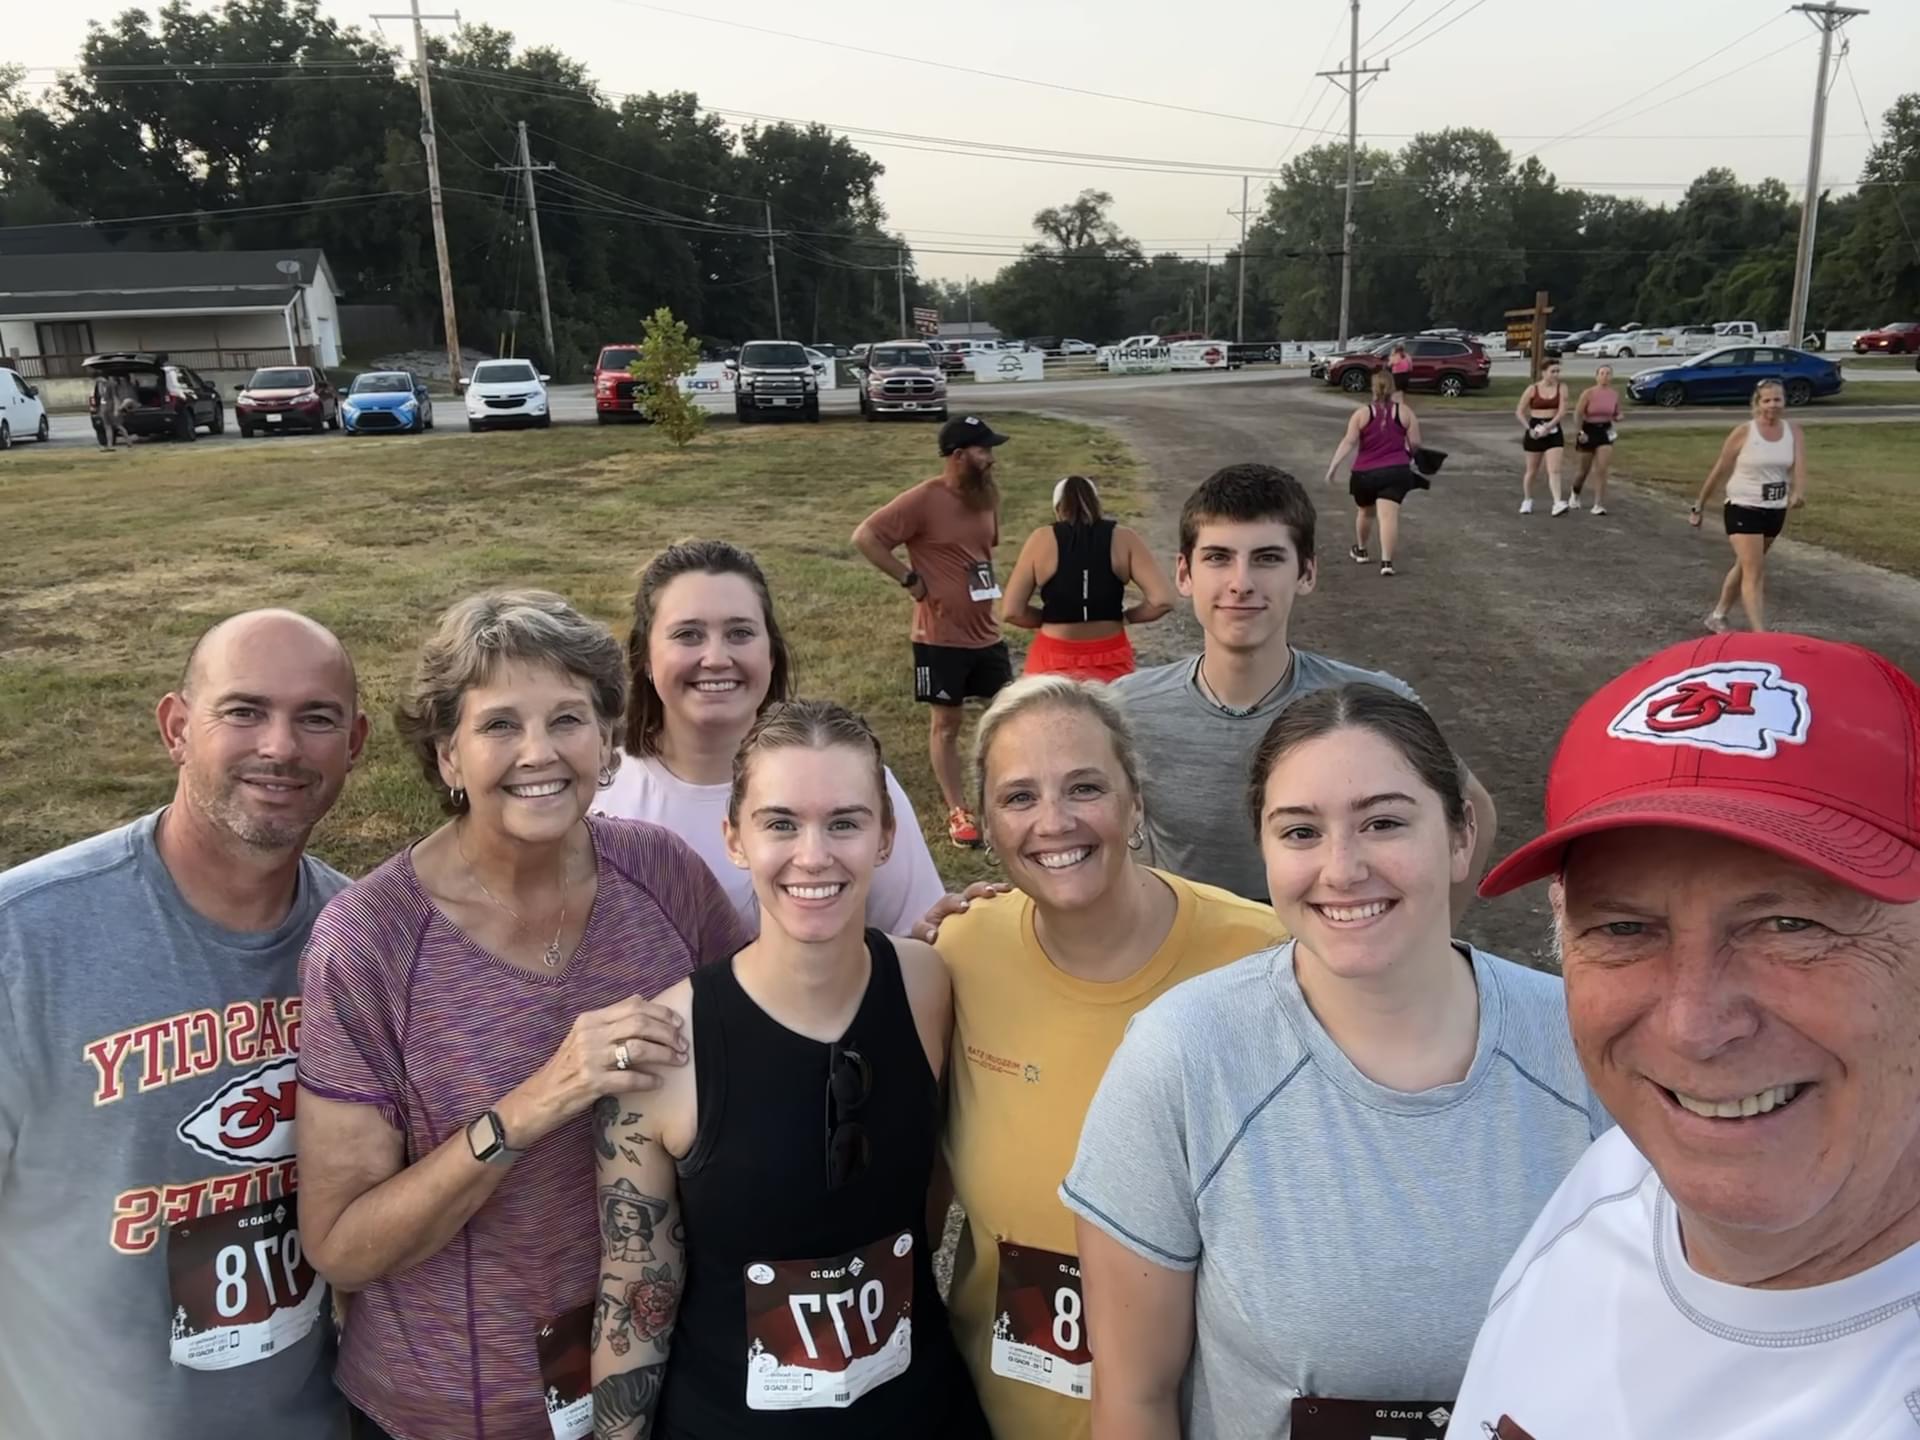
(1764, 464)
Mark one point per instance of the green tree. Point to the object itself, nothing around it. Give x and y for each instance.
(666, 354)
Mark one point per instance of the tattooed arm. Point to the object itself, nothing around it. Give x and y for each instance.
(642, 1268)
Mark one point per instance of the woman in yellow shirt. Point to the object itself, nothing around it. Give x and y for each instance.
(1045, 979)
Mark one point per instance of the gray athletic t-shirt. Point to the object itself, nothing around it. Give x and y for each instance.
(146, 1106)
(1344, 1237)
(1195, 759)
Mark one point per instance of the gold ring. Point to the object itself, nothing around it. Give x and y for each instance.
(621, 1059)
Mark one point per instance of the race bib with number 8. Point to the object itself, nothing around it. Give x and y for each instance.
(242, 1288)
(822, 1333)
(1040, 1325)
(980, 582)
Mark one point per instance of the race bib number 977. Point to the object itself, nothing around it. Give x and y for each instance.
(822, 1333)
(242, 1288)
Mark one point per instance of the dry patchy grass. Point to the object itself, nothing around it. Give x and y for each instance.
(113, 565)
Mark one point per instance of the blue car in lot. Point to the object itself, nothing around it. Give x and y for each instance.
(1731, 373)
(383, 401)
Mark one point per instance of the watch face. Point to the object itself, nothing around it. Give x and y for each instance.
(484, 1137)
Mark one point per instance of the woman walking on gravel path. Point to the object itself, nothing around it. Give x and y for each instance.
(1401, 364)
(1542, 407)
(1764, 463)
(1385, 434)
(1596, 413)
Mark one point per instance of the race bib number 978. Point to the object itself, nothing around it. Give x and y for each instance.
(822, 1333)
(242, 1288)
(1040, 1326)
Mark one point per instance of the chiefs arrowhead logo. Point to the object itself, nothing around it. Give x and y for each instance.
(1737, 707)
(249, 1121)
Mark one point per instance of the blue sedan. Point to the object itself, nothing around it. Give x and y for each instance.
(1731, 374)
(387, 400)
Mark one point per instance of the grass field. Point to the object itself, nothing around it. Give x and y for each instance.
(114, 564)
(1863, 484)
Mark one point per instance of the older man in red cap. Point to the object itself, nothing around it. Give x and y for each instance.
(1733, 840)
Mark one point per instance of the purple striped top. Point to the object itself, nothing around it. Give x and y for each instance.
(402, 1011)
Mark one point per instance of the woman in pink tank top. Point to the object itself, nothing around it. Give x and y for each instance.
(1381, 439)
(1596, 418)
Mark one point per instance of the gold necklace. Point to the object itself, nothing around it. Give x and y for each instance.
(550, 957)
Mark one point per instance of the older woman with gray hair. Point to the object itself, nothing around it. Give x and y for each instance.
(464, 1007)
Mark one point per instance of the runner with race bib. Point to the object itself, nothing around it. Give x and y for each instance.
(765, 1213)
(1045, 981)
(1764, 463)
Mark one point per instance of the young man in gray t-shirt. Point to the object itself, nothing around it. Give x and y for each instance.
(1246, 555)
(151, 1277)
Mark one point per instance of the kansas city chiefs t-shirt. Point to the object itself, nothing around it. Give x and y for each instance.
(151, 1276)
(1600, 1327)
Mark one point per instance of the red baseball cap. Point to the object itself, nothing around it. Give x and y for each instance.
(1804, 747)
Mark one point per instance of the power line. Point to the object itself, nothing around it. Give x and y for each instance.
(1379, 29)
(1587, 126)
(945, 65)
(1404, 48)
(1847, 62)
(222, 214)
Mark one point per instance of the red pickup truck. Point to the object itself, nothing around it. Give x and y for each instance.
(616, 394)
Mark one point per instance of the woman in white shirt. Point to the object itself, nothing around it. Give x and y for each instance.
(1764, 463)
(705, 657)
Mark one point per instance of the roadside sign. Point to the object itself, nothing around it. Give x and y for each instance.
(926, 322)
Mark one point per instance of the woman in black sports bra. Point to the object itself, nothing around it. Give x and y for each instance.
(766, 1266)
(1540, 411)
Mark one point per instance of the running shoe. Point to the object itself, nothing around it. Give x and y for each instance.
(1559, 507)
(1573, 501)
(1386, 568)
(1356, 554)
(1598, 509)
(1716, 622)
(962, 829)
(1526, 507)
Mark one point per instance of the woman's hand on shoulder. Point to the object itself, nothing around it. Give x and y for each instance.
(927, 930)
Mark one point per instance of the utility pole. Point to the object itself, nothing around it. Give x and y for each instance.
(1206, 309)
(969, 304)
(773, 272)
(525, 169)
(1349, 80)
(900, 275)
(1829, 17)
(1240, 311)
(431, 142)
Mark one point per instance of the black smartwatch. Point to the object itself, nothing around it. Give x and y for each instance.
(910, 579)
(487, 1138)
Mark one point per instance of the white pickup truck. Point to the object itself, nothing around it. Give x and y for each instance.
(1104, 355)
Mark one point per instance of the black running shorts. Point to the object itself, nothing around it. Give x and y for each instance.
(954, 674)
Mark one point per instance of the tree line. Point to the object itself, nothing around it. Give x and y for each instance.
(1453, 230)
(264, 124)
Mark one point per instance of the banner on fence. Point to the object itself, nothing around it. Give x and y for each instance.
(993, 367)
(710, 377)
(1141, 360)
(1198, 355)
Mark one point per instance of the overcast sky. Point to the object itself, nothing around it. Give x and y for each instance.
(1527, 70)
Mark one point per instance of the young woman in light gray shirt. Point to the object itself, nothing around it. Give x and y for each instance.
(1303, 1172)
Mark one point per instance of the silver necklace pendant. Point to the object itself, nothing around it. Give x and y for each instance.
(551, 955)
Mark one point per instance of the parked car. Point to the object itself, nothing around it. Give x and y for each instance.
(1730, 374)
(22, 416)
(1640, 340)
(901, 377)
(387, 401)
(1895, 339)
(774, 376)
(1045, 344)
(1575, 339)
(287, 397)
(1078, 347)
(506, 393)
(950, 359)
(818, 360)
(169, 399)
(616, 394)
(1451, 367)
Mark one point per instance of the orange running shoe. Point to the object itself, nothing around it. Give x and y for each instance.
(962, 829)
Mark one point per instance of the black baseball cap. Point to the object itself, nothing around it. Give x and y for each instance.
(968, 430)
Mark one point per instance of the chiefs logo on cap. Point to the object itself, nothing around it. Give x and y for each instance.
(1740, 708)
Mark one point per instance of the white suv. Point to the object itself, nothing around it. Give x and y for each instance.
(502, 393)
(21, 413)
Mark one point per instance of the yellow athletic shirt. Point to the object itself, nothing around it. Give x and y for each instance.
(1030, 1044)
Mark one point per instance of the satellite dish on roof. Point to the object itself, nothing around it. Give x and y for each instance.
(288, 267)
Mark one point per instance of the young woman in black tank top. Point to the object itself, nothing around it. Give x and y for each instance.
(1080, 567)
(766, 1266)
